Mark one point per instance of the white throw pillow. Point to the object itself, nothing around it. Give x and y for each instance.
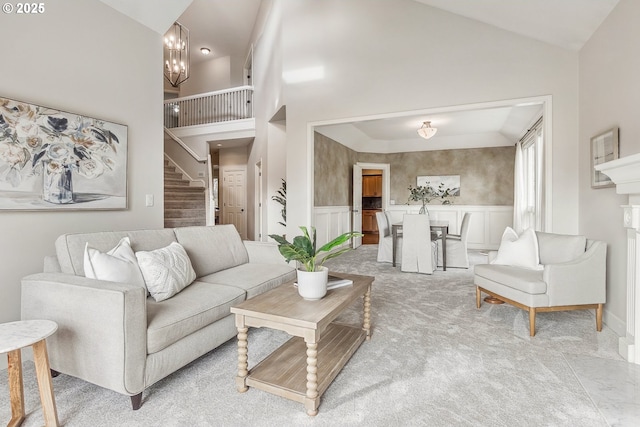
(117, 265)
(166, 271)
(519, 251)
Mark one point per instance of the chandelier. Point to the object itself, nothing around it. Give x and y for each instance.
(176, 54)
(426, 131)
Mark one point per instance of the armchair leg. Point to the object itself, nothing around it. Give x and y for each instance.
(532, 321)
(599, 311)
(136, 401)
(478, 296)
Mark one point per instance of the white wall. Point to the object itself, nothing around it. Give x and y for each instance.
(233, 156)
(278, 168)
(609, 93)
(194, 169)
(400, 55)
(66, 58)
(208, 76)
(269, 145)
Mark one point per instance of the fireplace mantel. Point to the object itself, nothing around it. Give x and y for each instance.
(625, 173)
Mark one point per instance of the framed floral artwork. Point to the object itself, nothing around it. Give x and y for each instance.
(440, 183)
(51, 159)
(604, 148)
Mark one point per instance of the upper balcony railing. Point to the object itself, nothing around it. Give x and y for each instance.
(212, 107)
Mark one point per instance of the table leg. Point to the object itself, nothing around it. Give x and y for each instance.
(312, 401)
(43, 372)
(16, 388)
(243, 366)
(367, 313)
(394, 233)
(445, 230)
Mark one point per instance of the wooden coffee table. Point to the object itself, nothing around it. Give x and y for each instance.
(303, 367)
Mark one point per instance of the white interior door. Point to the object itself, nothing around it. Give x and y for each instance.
(234, 199)
(356, 212)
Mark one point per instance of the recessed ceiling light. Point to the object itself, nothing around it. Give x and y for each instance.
(205, 50)
(219, 145)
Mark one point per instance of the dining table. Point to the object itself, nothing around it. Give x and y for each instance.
(436, 225)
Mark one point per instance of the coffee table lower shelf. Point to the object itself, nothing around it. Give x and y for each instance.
(284, 372)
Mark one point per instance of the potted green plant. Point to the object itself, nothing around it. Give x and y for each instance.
(281, 198)
(312, 275)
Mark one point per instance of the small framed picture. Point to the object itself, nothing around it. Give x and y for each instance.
(604, 148)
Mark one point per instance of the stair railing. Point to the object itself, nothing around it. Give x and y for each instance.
(185, 146)
(211, 107)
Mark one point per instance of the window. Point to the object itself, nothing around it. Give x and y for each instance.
(528, 206)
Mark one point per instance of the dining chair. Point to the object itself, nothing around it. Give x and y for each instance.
(385, 239)
(457, 255)
(394, 217)
(419, 252)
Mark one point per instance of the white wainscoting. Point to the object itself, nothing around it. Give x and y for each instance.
(486, 225)
(330, 222)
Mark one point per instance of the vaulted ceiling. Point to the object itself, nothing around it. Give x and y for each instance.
(225, 27)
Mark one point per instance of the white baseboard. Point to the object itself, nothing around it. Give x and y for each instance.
(625, 348)
(615, 323)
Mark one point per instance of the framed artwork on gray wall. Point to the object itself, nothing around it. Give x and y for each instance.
(55, 160)
(604, 148)
(441, 182)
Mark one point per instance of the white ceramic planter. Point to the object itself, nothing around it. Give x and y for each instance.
(313, 285)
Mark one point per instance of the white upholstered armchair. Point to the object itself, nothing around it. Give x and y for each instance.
(571, 276)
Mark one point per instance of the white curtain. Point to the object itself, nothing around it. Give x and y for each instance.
(519, 192)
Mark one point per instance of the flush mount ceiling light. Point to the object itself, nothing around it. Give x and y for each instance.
(176, 54)
(426, 131)
(205, 50)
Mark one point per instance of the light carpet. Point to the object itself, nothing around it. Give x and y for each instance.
(433, 360)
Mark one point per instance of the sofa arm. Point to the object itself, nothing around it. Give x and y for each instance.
(580, 281)
(102, 327)
(263, 252)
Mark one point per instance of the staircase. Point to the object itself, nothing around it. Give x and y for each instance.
(184, 205)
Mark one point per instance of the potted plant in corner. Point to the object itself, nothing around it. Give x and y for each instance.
(312, 275)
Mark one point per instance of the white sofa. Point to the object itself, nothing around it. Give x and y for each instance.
(572, 277)
(114, 335)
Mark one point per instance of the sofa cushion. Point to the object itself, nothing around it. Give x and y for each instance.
(212, 249)
(518, 251)
(253, 278)
(166, 271)
(117, 265)
(559, 248)
(192, 309)
(523, 279)
(70, 247)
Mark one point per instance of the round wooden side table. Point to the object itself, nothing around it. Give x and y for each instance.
(13, 337)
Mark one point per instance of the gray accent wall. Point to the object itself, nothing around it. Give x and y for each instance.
(486, 174)
(333, 166)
